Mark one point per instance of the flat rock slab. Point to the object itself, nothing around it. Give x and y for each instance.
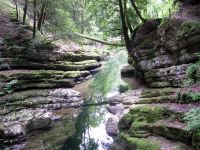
(127, 71)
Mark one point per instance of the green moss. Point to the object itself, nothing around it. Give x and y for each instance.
(138, 122)
(21, 96)
(149, 114)
(125, 122)
(161, 99)
(157, 92)
(42, 74)
(144, 117)
(139, 143)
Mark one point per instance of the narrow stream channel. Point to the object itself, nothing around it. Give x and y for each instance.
(90, 127)
(85, 129)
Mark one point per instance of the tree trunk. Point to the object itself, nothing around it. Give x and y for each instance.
(100, 41)
(137, 11)
(25, 11)
(35, 17)
(124, 26)
(42, 16)
(127, 18)
(17, 13)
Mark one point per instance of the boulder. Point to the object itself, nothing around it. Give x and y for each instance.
(112, 126)
(39, 123)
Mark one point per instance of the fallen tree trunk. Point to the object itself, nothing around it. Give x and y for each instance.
(100, 41)
(98, 104)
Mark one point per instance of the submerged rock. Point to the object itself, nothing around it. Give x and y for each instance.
(39, 123)
(112, 126)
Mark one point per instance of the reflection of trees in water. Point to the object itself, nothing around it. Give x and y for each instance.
(90, 117)
(110, 76)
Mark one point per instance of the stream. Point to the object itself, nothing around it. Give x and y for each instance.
(86, 130)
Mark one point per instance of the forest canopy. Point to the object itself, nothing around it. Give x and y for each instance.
(103, 19)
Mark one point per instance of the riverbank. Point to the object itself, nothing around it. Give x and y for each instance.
(36, 78)
(164, 115)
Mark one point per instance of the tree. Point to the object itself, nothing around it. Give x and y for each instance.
(42, 15)
(25, 11)
(34, 18)
(124, 26)
(17, 12)
(137, 11)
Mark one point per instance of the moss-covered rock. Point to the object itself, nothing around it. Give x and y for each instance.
(126, 142)
(149, 93)
(16, 80)
(146, 120)
(139, 120)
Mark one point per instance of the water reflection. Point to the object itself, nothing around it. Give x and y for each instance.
(91, 133)
(90, 126)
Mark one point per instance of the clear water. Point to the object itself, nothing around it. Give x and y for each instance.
(87, 132)
(90, 127)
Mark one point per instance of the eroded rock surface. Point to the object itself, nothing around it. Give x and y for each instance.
(163, 49)
(151, 120)
(27, 111)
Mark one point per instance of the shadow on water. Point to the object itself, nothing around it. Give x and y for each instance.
(90, 126)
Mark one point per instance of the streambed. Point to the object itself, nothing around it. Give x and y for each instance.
(86, 129)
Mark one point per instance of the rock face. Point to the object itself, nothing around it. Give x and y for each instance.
(162, 51)
(35, 78)
(127, 71)
(152, 119)
(27, 111)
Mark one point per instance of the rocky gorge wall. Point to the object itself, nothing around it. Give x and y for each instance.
(35, 82)
(163, 49)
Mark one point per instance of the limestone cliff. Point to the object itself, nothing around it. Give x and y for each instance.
(163, 49)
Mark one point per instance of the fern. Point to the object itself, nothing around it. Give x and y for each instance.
(193, 119)
(9, 86)
(193, 72)
(193, 124)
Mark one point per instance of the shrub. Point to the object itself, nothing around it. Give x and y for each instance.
(188, 97)
(193, 124)
(123, 88)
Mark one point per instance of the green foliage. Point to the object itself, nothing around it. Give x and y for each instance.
(193, 119)
(193, 124)
(188, 97)
(8, 7)
(192, 71)
(161, 9)
(123, 88)
(9, 86)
